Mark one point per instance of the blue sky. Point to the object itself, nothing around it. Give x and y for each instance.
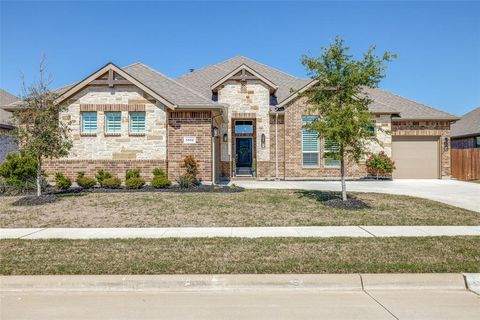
(438, 43)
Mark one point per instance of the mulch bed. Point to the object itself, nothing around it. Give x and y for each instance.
(35, 201)
(348, 204)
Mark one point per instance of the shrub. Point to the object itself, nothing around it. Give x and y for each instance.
(186, 181)
(19, 172)
(132, 173)
(191, 166)
(134, 183)
(159, 182)
(380, 165)
(158, 172)
(85, 182)
(111, 183)
(102, 175)
(62, 182)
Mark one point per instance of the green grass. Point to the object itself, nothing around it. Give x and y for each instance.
(239, 255)
(248, 208)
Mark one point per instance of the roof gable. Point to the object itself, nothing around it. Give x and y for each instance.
(103, 76)
(244, 72)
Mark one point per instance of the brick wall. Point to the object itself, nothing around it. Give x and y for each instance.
(117, 167)
(198, 125)
(440, 129)
(266, 169)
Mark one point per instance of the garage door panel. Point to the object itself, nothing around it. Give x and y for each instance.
(415, 157)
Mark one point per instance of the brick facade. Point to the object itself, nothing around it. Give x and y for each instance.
(190, 124)
(441, 129)
(117, 167)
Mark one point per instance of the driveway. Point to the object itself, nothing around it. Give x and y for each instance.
(457, 193)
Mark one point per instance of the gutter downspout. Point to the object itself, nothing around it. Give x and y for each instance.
(276, 146)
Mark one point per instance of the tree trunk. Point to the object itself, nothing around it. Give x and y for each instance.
(342, 174)
(39, 176)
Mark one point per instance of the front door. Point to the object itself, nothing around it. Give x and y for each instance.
(243, 152)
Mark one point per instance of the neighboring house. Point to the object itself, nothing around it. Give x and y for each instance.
(237, 118)
(7, 143)
(466, 132)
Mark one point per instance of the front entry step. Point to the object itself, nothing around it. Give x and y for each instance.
(244, 172)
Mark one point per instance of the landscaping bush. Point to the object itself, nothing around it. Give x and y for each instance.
(19, 172)
(186, 181)
(159, 182)
(191, 166)
(111, 183)
(85, 182)
(62, 182)
(102, 175)
(380, 165)
(158, 172)
(134, 183)
(132, 173)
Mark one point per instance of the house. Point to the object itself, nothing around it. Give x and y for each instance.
(238, 118)
(466, 147)
(7, 143)
(466, 132)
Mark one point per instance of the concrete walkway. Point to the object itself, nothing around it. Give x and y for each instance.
(457, 193)
(260, 296)
(244, 232)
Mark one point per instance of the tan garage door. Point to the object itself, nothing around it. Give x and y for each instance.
(415, 157)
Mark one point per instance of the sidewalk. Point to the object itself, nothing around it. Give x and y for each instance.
(267, 296)
(244, 232)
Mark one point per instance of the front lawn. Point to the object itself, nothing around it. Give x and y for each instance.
(240, 255)
(247, 208)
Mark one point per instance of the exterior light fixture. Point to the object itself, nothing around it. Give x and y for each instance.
(225, 137)
(215, 131)
(263, 140)
(446, 144)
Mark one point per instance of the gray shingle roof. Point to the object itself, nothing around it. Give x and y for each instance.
(468, 125)
(172, 90)
(6, 98)
(200, 80)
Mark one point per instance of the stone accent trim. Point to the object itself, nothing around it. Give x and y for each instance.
(243, 115)
(117, 167)
(190, 115)
(111, 107)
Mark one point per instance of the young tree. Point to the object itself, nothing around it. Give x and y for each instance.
(38, 130)
(339, 97)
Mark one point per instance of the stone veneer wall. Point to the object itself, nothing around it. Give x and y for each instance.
(196, 124)
(427, 128)
(254, 99)
(150, 146)
(7, 143)
(266, 169)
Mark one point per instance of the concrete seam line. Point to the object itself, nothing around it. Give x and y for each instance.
(361, 281)
(381, 305)
(32, 233)
(367, 231)
(467, 286)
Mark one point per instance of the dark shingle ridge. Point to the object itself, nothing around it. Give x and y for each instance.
(468, 125)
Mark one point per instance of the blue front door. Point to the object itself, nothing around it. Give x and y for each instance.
(243, 149)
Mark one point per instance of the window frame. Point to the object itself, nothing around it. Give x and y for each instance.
(110, 133)
(244, 124)
(82, 127)
(130, 119)
(313, 166)
(325, 159)
(477, 142)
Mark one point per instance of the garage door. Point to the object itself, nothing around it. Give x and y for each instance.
(415, 157)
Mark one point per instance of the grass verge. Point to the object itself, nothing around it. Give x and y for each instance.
(238, 255)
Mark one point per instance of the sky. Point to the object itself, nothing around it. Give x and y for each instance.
(437, 42)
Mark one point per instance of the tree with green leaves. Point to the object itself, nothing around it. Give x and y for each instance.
(339, 97)
(39, 131)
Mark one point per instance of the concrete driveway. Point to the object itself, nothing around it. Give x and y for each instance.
(457, 193)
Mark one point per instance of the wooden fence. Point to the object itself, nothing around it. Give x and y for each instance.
(466, 164)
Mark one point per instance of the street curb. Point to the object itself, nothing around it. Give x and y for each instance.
(337, 282)
(472, 282)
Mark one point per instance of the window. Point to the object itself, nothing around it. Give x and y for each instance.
(89, 122)
(371, 129)
(137, 122)
(245, 127)
(310, 144)
(113, 122)
(477, 142)
(330, 154)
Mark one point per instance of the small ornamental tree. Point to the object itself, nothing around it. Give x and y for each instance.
(339, 97)
(380, 165)
(38, 130)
